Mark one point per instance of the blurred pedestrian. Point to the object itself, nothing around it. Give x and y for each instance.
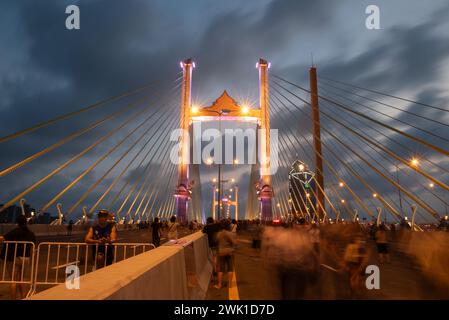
(70, 228)
(355, 262)
(382, 244)
(211, 229)
(156, 232)
(172, 229)
(226, 243)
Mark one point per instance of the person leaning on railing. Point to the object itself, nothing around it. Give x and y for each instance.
(103, 235)
(18, 255)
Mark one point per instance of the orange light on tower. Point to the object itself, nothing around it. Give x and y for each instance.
(195, 109)
(414, 162)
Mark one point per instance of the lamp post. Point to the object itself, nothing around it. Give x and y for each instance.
(220, 113)
(399, 189)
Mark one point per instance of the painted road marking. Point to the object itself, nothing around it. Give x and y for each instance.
(233, 290)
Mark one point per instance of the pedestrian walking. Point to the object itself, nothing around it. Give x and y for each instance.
(172, 229)
(70, 228)
(211, 229)
(382, 244)
(156, 232)
(226, 243)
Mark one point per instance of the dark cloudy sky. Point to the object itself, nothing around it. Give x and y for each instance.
(47, 70)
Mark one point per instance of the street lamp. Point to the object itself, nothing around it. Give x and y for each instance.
(220, 113)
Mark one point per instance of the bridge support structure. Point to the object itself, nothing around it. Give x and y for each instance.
(319, 187)
(265, 190)
(183, 189)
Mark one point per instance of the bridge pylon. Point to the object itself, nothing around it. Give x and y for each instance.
(264, 190)
(183, 189)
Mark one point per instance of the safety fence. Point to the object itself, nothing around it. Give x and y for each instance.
(52, 262)
(177, 269)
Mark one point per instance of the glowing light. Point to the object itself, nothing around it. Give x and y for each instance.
(342, 200)
(446, 217)
(341, 184)
(289, 200)
(374, 195)
(308, 195)
(301, 167)
(193, 64)
(257, 65)
(233, 180)
(414, 162)
(406, 218)
(278, 204)
(236, 161)
(431, 185)
(230, 190)
(181, 64)
(216, 190)
(269, 65)
(195, 109)
(245, 110)
(32, 213)
(214, 180)
(209, 161)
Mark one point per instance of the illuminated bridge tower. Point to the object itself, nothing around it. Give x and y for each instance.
(265, 191)
(183, 189)
(225, 108)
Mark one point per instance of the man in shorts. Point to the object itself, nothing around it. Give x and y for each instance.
(103, 235)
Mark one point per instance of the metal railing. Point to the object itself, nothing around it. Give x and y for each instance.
(54, 257)
(17, 263)
(21, 263)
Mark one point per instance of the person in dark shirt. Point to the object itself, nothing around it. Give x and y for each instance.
(211, 229)
(156, 232)
(70, 228)
(18, 255)
(103, 235)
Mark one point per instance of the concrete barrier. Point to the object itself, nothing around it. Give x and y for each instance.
(198, 264)
(161, 273)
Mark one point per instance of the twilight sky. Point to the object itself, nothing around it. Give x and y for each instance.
(47, 70)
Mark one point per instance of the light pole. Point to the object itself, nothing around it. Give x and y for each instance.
(220, 113)
(399, 189)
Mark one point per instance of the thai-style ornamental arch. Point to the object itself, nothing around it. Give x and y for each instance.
(260, 116)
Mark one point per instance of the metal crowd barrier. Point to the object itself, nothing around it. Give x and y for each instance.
(21, 263)
(17, 263)
(54, 257)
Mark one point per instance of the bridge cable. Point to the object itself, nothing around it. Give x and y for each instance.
(424, 205)
(89, 191)
(387, 95)
(332, 169)
(71, 114)
(340, 105)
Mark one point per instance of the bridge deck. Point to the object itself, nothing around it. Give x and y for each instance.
(398, 280)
